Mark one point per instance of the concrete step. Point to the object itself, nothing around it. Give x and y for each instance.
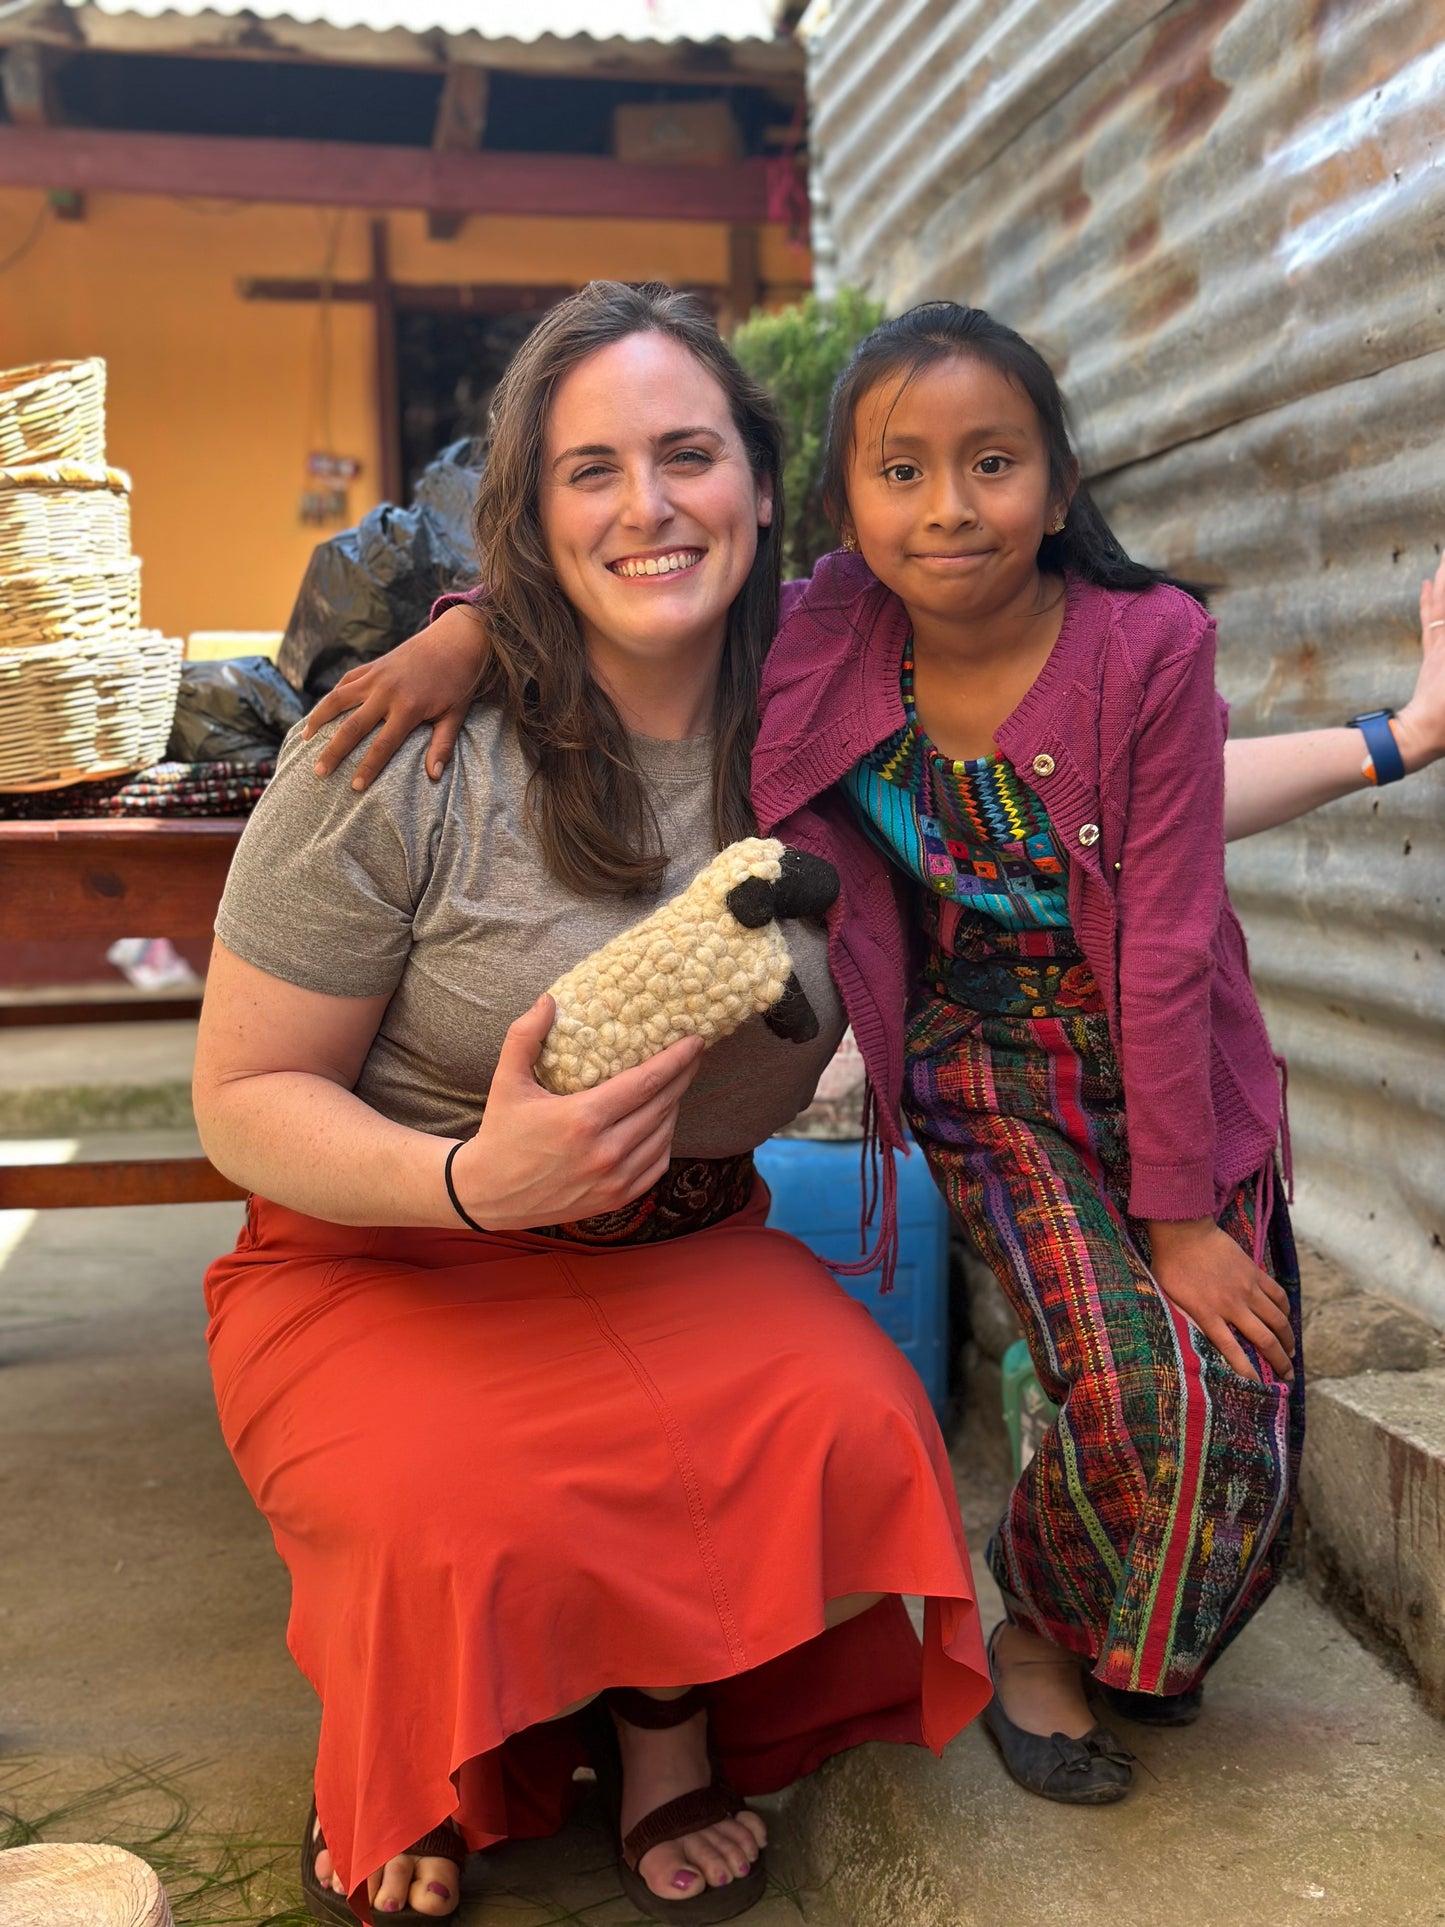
(1374, 1489)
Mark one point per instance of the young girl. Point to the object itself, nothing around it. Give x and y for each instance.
(987, 693)
(1086, 1066)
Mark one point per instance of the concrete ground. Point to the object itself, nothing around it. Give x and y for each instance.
(142, 1611)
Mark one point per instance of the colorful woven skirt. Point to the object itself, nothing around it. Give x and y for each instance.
(1154, 1518)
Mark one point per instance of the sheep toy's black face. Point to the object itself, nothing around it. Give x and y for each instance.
(807, 887)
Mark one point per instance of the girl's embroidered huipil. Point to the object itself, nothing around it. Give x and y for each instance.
(972, 832)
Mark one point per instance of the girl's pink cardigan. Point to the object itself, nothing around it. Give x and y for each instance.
(1122, 736)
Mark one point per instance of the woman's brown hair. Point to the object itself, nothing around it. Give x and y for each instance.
(597, 828)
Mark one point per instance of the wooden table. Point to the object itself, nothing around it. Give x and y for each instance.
(117, 877)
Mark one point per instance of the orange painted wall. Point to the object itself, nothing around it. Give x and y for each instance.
(214, 401)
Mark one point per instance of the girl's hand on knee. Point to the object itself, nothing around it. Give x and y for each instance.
(429, 679)
(1217, 1286)
(538, 1159)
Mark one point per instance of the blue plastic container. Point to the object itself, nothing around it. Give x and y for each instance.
(818, 1196)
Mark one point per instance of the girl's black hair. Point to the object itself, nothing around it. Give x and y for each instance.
(933, 332)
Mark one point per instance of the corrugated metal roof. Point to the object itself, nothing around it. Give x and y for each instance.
(1221, 220)
(633, 20)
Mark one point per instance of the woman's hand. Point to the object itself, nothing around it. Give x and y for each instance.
(539, 1159)
(1420, 725)
(429, 679)
(1202, 1270)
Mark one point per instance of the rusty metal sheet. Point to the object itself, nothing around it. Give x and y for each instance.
(1240, 203)
(1319, 520)
(1224, 222)
(946, 82)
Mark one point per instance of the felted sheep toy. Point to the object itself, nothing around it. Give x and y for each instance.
(700, 965)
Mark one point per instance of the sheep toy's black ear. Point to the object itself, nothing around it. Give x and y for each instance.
(806, 888)
(793, 1018)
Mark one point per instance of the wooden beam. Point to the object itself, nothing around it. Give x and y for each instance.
(52, 1187)
(388, 403)
(479, 297)
(105, 879)
(460, 125)
(99, 1010)
(483, 297)
(339, 174)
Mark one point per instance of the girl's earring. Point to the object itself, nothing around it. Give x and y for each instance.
(850, 543)
(1057, 528)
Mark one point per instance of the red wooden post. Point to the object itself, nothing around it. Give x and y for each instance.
(388, 406)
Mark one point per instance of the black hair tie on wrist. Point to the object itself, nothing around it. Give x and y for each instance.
(470, 1223)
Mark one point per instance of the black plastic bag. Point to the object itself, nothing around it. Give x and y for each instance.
(369, 588)
(232, 712)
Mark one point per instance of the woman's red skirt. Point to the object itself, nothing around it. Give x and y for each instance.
(506, 1471)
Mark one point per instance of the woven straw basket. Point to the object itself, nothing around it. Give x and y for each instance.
(48, 605)
(53, 411)
(63, 515)
(71, 712)
(54, 1884)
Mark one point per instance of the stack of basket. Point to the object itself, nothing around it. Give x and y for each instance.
(84, 690)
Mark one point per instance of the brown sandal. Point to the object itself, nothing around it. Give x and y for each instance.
(322, 1903)
(705, 1806)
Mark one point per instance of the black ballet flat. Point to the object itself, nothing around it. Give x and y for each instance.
(1154, 1709)
(1094, 1771)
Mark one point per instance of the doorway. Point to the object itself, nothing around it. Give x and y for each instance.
(448, 365)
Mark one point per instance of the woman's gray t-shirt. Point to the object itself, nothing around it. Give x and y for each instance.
(435, 895)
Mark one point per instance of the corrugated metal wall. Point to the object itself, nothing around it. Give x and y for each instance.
(1224, 222)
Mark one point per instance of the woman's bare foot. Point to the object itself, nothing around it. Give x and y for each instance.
(429, 1885)
(658, 1766)
(1040, 1686)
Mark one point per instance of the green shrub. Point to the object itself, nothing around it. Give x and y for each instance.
(798, 354)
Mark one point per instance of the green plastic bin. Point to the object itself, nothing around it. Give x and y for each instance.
(1027, 1413)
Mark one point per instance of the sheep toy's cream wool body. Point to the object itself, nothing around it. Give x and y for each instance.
(700, 965)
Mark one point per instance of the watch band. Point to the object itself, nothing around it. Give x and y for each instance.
(1374, 726)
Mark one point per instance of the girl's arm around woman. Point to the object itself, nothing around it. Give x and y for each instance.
(1269, 780)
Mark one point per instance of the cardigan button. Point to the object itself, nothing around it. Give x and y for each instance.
(1088, 834)
(1043, 764)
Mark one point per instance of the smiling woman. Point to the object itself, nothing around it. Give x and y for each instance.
(586, 497)
(653, 536)
(536, 1406)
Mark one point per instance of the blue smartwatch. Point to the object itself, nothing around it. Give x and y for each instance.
(1374, 726)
